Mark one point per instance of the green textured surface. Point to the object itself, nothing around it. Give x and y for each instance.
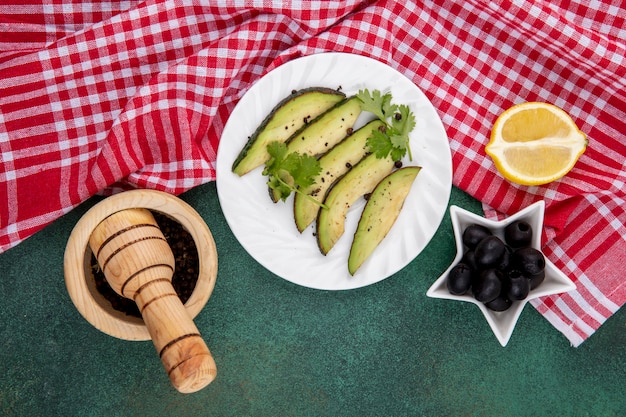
(285, 350)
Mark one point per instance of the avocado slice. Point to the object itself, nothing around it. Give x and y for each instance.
(323, 133)
(358, 181)
(289, 116)
(380, 214)
(334, 164)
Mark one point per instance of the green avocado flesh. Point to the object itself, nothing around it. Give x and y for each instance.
(323, 133)
(380, 213)
(358, 181)
(334, 164)
(287, 118)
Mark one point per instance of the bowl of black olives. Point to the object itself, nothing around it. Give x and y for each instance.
(499, 266)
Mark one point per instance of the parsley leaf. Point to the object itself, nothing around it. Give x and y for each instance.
(277, 152)
(406, 122)
(289, 172)
(379, 144)
(375, 103)
(399, 121)
(305, 173)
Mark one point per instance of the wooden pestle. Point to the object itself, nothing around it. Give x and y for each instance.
(138, 264)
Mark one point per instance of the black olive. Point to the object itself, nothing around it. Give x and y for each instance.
(505, 261)
(500, 303)
(470, 260)
(487, 285)
(459, 279)
(489, 252)
(473, 234)
(518, 234)
(529, 261)
(518, 286)
(537, 279)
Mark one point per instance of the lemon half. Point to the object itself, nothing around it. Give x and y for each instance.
(535, 143)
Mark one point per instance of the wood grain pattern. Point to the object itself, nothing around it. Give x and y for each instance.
(140, 266)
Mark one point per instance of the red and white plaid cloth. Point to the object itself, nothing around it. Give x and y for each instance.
(100, 96)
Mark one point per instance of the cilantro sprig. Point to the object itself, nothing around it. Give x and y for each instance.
(290, 172)
(393, 137)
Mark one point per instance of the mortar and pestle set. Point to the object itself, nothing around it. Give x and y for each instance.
(138, 264)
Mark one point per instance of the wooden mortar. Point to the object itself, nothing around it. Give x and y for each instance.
(97, 310)
(138, 263)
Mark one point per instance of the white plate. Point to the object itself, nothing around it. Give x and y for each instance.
(267, 231)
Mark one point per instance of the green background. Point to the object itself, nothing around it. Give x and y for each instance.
(285, 350)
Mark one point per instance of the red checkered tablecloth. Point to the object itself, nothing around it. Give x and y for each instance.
(101, 96)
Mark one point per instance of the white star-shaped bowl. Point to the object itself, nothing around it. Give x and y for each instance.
(502, 322)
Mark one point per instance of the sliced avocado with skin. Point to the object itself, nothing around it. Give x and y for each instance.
(286, 118)
(360, 180)
(334, 164)
(324, 132)
(380, 214)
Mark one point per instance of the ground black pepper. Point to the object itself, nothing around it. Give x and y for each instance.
(186, 269)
